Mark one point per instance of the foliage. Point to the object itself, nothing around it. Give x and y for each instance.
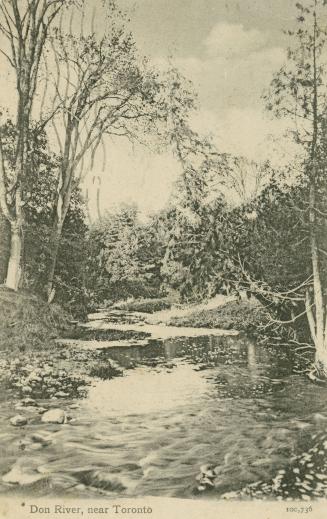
(242, 180)
(254, 247)
(299, 91)
(85, 334)
(125, 257)
(104, 370)
(39, 191)
(24, 27)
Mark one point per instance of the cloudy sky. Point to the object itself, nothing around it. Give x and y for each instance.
(229, 49)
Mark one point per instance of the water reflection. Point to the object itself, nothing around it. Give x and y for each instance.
(180, 404)
(146, 391)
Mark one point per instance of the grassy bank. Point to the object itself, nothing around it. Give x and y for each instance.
(32, 363)
(85, 334)
(246, 316)
(144, 305)
(28, 323)
(251, 318)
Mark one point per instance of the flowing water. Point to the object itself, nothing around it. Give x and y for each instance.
(181, 403)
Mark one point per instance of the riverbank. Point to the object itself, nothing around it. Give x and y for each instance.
(220, 312)
(153, 405)
(32, 363)
(245, 316)
(28, 324)
(184, 405)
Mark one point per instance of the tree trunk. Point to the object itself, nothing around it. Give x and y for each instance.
(14, 264)
(316, 317)
(321, 360)
(56, 235)
(64, 192)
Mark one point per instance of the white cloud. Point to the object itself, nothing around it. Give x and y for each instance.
(231, 79)
(248, 132)
(231, 40)
(224, 83)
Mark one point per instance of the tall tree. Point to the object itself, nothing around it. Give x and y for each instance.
(107, 90)
(126, 255)
(299, 92)
(25, 26)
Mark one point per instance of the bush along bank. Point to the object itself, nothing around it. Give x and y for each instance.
(253, 319)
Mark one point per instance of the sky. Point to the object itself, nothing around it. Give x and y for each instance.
(230, 50)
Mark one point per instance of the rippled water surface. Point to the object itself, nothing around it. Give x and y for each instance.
(181, 403)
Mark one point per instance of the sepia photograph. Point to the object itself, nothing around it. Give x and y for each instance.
(163, 258)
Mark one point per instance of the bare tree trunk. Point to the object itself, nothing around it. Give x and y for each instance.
(26, 27)
(14, 269)
(56, 235)
(62, 205)
(316, 311)
(318, 300)
(14, 265)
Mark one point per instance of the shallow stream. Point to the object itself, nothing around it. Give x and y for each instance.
(180, 404)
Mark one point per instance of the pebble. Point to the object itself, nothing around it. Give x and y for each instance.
(28, 402)
(207, 481)
(34, 380)
(27, 409)
(74, 406)
(18, 420)
(36, 446)
(80, 487)
(28, 367)
(207, 470)
(61, 394)
(319, 418)
(54, 416)
(26, 390)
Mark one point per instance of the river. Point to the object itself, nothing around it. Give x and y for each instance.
(181, 403)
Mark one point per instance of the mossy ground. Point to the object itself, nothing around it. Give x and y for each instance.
(27, 323)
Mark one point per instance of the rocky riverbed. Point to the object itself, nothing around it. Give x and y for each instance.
(209, 416)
